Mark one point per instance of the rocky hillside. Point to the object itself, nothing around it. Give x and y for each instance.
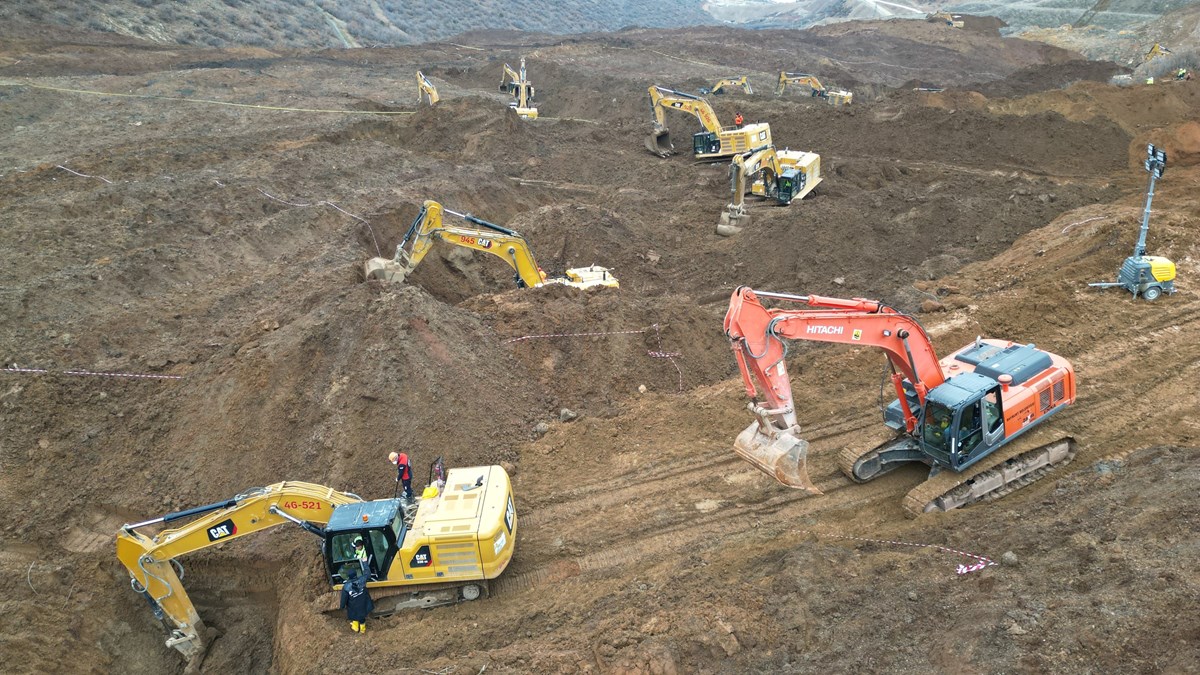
(330, 23)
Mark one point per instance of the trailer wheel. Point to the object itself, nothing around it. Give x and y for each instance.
(1151, 294)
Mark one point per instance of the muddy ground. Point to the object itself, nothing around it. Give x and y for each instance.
(222, 245)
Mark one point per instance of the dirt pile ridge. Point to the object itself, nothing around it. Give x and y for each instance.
(224, 246)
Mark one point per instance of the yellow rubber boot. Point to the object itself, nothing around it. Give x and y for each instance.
(362, 627)
(354, 626)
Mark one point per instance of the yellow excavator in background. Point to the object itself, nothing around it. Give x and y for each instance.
(832, 96)
(479, 235)
(1154, 52)
(729, 83)
(783, 176)
(515, 84)
(426, 90)
(715, 142)
(952, 20)
(442, 550)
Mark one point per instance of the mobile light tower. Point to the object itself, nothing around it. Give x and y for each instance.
(1147, 275)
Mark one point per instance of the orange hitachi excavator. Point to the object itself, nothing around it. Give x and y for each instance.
(961, 415)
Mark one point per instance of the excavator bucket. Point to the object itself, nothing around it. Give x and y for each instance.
(384, 269)
(779, 454)
(731, 222)
(659, 142)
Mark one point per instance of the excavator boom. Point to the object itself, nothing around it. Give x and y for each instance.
(426, 90)
(156, 576)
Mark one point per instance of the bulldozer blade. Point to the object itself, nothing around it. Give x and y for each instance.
(659, 143)
(384, 269)
(779, 454)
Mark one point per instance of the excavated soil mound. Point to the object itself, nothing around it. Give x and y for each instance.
(223, 246)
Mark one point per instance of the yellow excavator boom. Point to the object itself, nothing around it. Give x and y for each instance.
(715, 142)
(156, 575)
(480, 235)
(719, 88)
(426, 90)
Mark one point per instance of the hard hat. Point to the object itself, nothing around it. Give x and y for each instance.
(358, 541)
(393, 457)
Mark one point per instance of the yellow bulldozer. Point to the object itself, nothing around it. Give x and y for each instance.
(479, 235)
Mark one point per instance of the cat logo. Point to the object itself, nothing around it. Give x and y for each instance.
(485, 243)
(857, 334)
(421, 558)
(222, 530)
(509, 514)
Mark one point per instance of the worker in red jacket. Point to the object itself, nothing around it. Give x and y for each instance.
(403, 473)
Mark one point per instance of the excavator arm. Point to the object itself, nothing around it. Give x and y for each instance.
(719, 88)
(786, 78)
(156, 574)
(662, 99)
(426, 90)
(756, 335)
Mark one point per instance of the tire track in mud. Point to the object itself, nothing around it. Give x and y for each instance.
(683, 534)
(668, 476)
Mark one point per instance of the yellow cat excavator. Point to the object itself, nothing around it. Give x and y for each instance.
(782, 176)
(515, 84)
(832, 96)
(723, 84)
(480, 235)
(715, 142)
(442, 550)
(426, 90)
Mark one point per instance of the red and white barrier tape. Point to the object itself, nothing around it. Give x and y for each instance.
(567, 335)
(44, 371)
(981, 562)
(652, 353)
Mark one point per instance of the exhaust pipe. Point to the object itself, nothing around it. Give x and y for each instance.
(780, 454)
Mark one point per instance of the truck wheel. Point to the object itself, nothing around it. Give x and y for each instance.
(471, 592)
(1151, 294)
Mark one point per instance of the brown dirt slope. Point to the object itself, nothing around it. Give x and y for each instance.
(223, 245)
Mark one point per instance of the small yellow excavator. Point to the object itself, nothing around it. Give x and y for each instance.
(441, 550)
(730, 83)
(516, 85)
(832, 96)
(1155, 52)
(480, 235)
(952, 20)
(715, 142)
(781, 176)
(426, 90)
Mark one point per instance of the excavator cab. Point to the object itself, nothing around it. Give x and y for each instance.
(957, 435)
(703, 143)
(379, 523)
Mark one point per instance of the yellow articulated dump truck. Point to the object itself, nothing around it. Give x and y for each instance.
(440, 550)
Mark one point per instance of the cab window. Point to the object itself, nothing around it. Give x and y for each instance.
(970, 429)
(938, 420)
(991, 412)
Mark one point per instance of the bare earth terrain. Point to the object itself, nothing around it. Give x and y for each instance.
(223, 245)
